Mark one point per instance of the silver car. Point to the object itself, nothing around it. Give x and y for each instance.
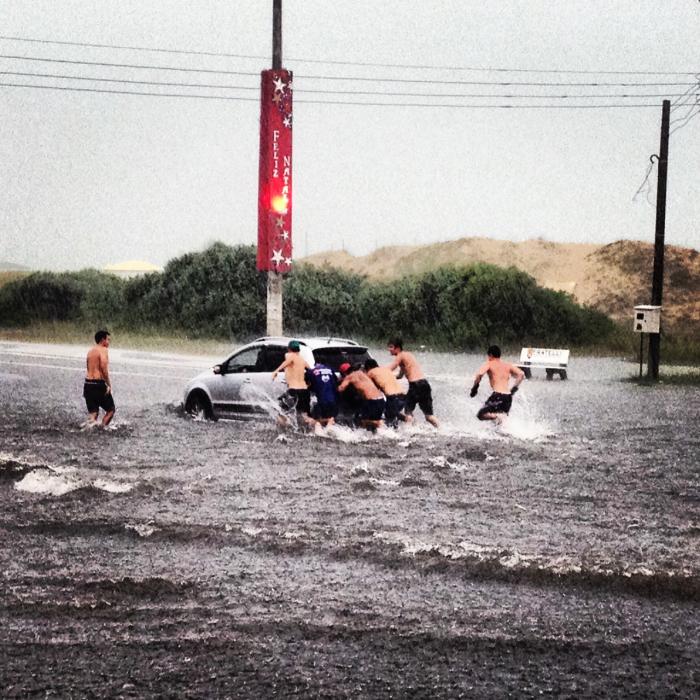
(242, 387)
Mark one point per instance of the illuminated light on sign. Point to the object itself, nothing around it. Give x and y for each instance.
(275, 172)
(278, 204)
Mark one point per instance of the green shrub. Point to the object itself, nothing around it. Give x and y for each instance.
(218, 293)
(215, 293)
(41, 296)
(323, 301)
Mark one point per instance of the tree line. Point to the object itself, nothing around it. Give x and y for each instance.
(218, 293)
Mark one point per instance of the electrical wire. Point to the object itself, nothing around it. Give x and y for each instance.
(127, 65)
(683, 98)
(299, 90)
(129, 92)
(645, 181)
(688, 118)
(345, 78)
(369, 64)
(128, 81)
(328, 102)
(685, 116)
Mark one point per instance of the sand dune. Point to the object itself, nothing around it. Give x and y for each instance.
(612, 278)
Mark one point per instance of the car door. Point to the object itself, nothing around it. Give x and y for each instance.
(236, 373)
(259, 392)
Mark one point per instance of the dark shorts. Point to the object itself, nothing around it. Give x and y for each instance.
(394, 406)
(299, 399)
(419, 393)
(324, 410)
(496, 403)
(96, 396)
(371, 409)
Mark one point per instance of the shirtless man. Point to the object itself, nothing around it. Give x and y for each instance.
(371, 409)
(297, 393)
(97, 390)
(389, 385)
(419, 391)
(498, 404)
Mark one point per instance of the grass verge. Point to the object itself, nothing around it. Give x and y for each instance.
(674, 375)
(146, 339)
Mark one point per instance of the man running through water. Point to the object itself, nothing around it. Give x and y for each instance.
(419, 391)
(371, 409)
(386, 381)
(97, 390)
(497, 405)
(323, 383)
(297, 394)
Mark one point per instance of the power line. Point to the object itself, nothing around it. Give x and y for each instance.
(130, 82)
(682, 99)
(298, 90)
(131, 48)
(645, 181)
(371, 64)
(128, 65)
(348, 78)
(691, 115)
(129, 92)
(327, 102)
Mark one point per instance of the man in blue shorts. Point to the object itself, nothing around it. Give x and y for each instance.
(324, 385)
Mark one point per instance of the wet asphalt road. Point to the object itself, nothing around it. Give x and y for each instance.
(177, 558)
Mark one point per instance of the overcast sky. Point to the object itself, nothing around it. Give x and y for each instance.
(91, 178)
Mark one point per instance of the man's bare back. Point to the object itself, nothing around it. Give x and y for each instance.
(499, 373)
(419, 390)
(365, 387)
(98, 364)
(97, 390)
(498, 405)
(386, 380)
(294, 367)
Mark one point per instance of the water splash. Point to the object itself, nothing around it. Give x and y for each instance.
(525, 428)
(58, 481)
(141, 529)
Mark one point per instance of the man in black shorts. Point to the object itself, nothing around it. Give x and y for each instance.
(419, 391)
(97, 390)
(297, 396)
(497, 405)
(371, 410)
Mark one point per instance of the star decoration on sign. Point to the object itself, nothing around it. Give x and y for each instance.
(285, 235)
(279, 85)
(288, 261)
(279, 222)
(277, 97)
(287, 121)
(277, 257)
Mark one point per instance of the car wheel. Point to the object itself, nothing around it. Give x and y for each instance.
(198, 406)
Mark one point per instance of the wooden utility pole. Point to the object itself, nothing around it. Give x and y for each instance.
(274, 278)
(657, 285)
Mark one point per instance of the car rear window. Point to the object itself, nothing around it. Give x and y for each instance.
(334, 357)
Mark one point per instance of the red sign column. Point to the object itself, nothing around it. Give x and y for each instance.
(275, 172)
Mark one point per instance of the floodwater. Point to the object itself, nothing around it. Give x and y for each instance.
(177, 558)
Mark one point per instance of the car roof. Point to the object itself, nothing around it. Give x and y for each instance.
(312, 343)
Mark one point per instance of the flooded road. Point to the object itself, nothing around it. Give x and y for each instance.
(172, 557)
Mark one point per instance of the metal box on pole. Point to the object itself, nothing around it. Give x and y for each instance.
(647, 319)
